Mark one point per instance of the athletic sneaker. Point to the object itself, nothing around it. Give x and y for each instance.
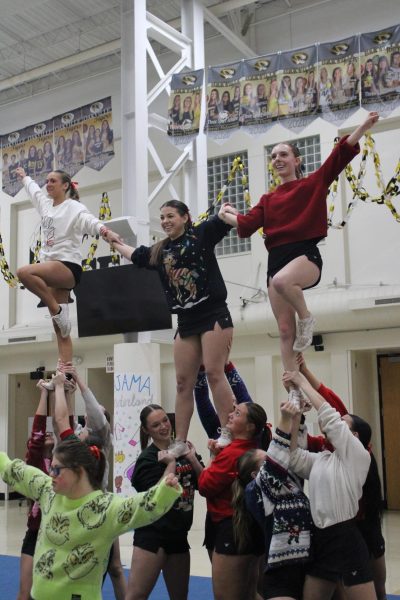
(225, 437)
(47, 384)
(178, 448)
(62, 320)
(295, 397)
(305, 330)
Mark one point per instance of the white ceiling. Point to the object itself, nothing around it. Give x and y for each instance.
(58, 41)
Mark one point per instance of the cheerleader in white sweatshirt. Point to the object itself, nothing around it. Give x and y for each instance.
(336, 480)
(63, 222)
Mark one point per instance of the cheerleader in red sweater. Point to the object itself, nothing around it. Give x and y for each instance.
(294, 220)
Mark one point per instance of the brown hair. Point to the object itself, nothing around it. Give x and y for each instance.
(242, 519)
(144, 436)
(71, 189)
(156, 249)
(76, 455)
(295, 149)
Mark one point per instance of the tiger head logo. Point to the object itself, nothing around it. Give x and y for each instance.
(299, 58)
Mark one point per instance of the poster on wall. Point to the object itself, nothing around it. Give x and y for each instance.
(15, 146)
(97, 133)
(338, 79)
(132, 392)
(223, 99)
(68, 146)
(297, 93)
(259, 92)
(380, 69)
(41, 153)
(184, 106)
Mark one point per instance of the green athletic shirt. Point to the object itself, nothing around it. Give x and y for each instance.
(75, 536)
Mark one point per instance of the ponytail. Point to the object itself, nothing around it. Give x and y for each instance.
(72, 189)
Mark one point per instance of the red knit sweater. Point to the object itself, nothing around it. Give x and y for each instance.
(296, 211)
(215, 482)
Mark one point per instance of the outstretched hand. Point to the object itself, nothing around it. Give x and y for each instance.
(59, 378)
(171, 480)
(370, 120)
(20, 172)
(292, 377)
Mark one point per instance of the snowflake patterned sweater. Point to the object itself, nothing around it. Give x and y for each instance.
(280, 495)
(75, 535)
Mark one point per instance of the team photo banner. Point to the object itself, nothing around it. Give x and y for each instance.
(259, 92)
(223, 102)
(339, 79)
(69, 141)
(184, 108)
(380, 68)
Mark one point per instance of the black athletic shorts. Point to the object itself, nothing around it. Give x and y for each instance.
(148, 538)
(219, 537)
(284, 581)
(198, 324)
(372, 534)
(29, 542)
(280, 256)
(75, 269)
(340, 553)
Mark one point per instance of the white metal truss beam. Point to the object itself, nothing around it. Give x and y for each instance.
(59, 65)
(228, 34)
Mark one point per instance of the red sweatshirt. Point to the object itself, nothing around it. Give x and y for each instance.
(34, 457)
(318, 443)
(215, 481)
(296, 211)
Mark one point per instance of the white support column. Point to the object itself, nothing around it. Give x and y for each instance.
(195, 170)
(4, 425)
(134, 115)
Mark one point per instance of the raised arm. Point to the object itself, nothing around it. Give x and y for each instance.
(298, 379)
(357, 134)
(125, 250)
(228, 214)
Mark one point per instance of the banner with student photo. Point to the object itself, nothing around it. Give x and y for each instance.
(15, 146)
(68, 146)
(184, 106)
(259, 93)
(338, 79)
(41, 152)
(223, 99)
(380, 69)
(297, 93)
(97, 134)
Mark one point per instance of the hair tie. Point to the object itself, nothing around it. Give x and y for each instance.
(95, 451)
(74, 185)
(369, 447)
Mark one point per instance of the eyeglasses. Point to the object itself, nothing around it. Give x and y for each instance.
(56, 470)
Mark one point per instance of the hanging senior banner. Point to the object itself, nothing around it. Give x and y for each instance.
(68, 146)
(223, 99)
(15, 146)
(297, 93)
(97, 134)
(40, 152)
(380, 68)
(259, 92)
(338, 79)
(184, 107)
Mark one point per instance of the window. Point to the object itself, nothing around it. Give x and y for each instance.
(218, 170)
(310, 150)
